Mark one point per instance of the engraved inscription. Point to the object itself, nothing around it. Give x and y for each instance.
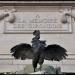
(27, 22)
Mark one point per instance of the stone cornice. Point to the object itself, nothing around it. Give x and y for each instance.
(37, 1)
(54, 3)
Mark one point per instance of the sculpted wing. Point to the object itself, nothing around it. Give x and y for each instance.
(54, 52)
(22, 51)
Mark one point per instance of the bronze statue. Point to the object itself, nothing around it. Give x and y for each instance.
(38, 51)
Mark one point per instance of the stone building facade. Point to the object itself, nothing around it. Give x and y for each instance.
(63, 35)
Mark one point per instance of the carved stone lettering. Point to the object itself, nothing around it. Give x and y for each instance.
(45, 21)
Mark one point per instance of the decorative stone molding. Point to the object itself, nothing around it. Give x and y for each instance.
(11, 18)
(3, 15)
(60, 4)
(9, 14)
(45, 18)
